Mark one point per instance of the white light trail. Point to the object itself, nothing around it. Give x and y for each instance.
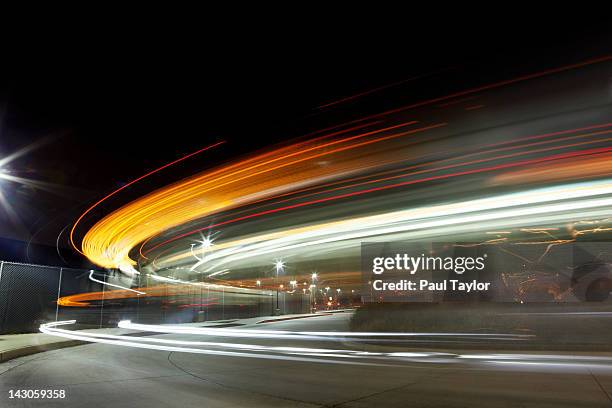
(113, 285)
(331, 356)
(126, 324)
(557, 204)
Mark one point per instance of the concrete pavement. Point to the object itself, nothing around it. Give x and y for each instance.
(100, 375)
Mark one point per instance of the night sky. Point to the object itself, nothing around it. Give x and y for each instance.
(115, 108)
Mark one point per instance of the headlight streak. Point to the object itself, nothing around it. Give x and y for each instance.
(295, 196)
(331, 356)
(49, 328)
(391, 186)
(558, 203)
(113, 285)
(317, 335)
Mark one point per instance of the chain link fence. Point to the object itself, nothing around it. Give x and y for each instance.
(34, 294)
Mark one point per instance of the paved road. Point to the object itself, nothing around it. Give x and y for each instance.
(101, 375)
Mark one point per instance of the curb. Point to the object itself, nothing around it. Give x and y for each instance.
(28, 350)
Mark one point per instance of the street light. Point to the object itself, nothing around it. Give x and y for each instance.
(206, 243)
(280, 266)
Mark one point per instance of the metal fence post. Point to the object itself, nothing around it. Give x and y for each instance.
(59, 290)
(102, 308)
(138, 301)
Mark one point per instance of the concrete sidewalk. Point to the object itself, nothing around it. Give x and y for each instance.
(18, 345)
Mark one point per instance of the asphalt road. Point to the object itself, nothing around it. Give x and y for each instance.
(101, 375)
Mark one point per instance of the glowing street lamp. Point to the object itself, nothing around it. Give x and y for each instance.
(280, 266)
(206, 243)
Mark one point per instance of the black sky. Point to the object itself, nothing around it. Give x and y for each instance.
(120, 105)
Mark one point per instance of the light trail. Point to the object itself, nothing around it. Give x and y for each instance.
(318, 335)
(109, 241)
(50, 328)
(178, 287)
(555, 203)
(72, 230)
(388, 187)
(333, 355)
(489, 87)
(356, 167)
(601, 163)
(113, 285)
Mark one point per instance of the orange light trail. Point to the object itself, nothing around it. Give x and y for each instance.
(129, 184)
(413, 173)
(110, 240)
(587, 152)
(287, 170)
